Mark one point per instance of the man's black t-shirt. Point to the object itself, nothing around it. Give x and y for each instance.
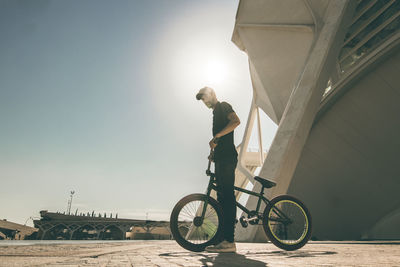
(225, 150)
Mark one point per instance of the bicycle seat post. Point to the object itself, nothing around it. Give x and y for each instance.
(260, 198)
(262, 190)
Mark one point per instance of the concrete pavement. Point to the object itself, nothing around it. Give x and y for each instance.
(168, 253)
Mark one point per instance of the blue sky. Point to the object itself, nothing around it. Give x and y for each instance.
(98, 97)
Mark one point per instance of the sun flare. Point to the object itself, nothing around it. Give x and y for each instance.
(191, 55)
(215, 72)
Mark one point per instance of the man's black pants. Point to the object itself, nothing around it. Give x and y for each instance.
(225, 176)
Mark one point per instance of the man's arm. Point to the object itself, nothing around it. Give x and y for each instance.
(234, 122)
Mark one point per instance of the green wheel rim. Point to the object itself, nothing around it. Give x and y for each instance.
(272, 212)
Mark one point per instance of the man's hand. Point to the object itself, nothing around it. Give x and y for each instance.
(212, 143)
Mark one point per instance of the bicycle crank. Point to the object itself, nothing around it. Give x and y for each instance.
(253, 217)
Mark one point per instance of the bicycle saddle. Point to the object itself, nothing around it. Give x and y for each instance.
(266, 183)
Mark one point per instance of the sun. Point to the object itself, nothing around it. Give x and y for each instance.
(193, 53)
(215, 72)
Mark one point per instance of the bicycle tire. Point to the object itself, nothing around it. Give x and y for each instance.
(295, 215)
(210, 231)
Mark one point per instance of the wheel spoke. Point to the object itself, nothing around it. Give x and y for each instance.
(187, 215)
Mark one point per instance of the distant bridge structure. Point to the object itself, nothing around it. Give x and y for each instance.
(60, 226)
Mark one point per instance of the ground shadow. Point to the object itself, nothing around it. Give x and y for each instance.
(234, 259)
(230, 259)
(220, 259)
(293, 254)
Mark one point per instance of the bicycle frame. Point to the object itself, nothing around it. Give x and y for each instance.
(212, 186)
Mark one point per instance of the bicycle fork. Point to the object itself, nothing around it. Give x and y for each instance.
(199, 219)
(209, 187)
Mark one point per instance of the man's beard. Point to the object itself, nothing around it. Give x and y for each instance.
(209, 105)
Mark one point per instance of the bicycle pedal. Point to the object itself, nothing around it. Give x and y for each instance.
(243, 222)
(253, 220)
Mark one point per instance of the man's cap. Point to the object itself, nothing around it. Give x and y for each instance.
(203, 91)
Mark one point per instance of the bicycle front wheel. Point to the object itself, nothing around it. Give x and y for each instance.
(287, 222)
(189, 229)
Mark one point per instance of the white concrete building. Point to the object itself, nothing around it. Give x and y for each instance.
(328, 73)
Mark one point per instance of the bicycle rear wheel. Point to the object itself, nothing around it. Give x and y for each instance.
(189, 229)
(287, 222)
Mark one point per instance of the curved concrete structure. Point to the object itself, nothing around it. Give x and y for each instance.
(350, 158)
(327, 73)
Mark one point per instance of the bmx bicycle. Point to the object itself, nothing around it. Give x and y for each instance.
(196, 220)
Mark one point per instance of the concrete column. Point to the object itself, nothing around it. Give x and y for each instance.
(299, 114)
(123, 230)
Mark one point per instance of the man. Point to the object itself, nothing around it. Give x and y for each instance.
(225, 121)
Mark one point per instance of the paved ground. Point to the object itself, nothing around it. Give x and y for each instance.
(168, 253)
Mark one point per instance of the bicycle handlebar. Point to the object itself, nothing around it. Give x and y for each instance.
(208, 171)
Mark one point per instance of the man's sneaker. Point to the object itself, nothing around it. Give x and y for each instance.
(224, 246)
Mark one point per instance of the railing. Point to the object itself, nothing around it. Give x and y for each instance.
(373, 23)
